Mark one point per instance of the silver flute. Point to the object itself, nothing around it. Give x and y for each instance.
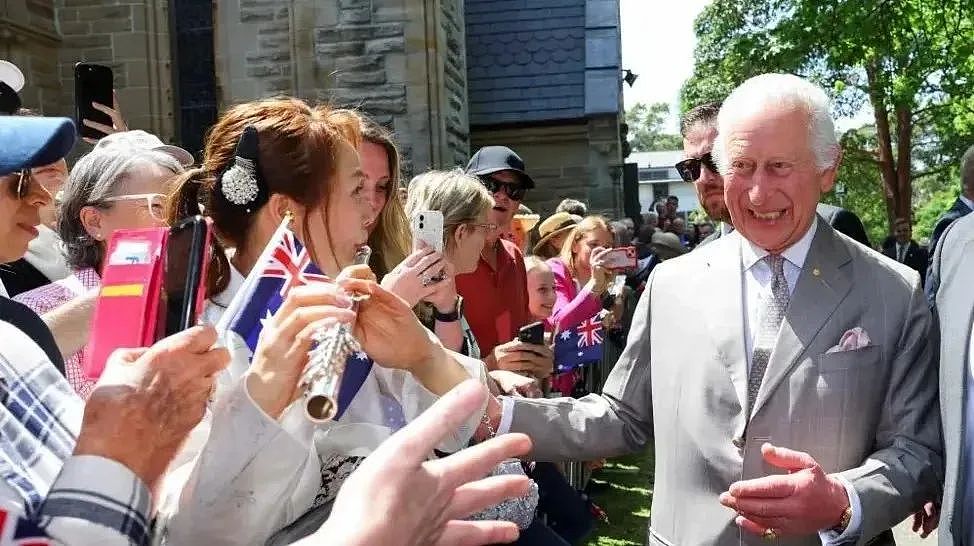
(322, 377)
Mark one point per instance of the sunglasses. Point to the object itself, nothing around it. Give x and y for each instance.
(689, 168)
(514, 191)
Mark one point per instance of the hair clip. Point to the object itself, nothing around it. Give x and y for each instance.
(240, 184)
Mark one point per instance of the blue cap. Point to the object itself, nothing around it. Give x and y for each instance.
(27, 142)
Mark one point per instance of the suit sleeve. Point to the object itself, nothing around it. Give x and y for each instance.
(618, 421)
(907, 467)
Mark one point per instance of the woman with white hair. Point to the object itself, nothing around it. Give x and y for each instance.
(108, 189)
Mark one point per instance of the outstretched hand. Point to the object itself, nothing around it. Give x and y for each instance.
(802, 502)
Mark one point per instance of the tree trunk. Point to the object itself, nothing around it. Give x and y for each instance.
(887, 168)
(904, 144)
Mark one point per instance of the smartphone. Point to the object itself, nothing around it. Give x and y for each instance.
(532, 333)
(427, 226)
(92, 83)
(187, 252)
(620, 258)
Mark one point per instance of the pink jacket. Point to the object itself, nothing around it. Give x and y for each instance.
(571, 305)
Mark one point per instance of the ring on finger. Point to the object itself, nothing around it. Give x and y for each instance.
(770, 534)
(426, 279)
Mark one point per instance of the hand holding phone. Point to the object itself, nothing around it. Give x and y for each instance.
(92, 83)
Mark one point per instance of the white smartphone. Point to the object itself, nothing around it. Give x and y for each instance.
(427, 226)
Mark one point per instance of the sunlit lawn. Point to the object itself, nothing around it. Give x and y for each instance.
(626, 501)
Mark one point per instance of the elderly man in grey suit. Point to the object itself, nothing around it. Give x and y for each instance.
(804, 409)
(951, 276)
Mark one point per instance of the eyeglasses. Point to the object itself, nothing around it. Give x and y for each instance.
(493, 185)
(154, 202)
(22, 186)
(488, 227)
(689, 168)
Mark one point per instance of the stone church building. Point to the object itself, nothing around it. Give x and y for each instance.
(449, 76)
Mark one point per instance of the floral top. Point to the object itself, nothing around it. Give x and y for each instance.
(49, 297)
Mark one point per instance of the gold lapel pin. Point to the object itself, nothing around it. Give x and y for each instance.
(816, 272)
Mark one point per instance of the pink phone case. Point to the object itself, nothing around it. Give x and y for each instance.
(128, 304)
(620, 258)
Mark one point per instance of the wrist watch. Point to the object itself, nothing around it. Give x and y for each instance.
(452, 316)
(844, 521)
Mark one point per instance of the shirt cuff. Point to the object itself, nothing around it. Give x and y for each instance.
(851, 533)
(507, 415)
(103, 492)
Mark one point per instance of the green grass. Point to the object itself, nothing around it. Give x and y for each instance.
(626, 502)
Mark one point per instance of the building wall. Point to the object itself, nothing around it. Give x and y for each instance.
(401, 61)
(45, 38)
(579, 160)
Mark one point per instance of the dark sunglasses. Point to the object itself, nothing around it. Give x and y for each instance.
(514, 191)
(689, 168)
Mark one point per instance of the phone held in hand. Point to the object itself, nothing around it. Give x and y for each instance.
(92, 83)
(188, 250)
(532, 333)
(427, 228)
(620, 258)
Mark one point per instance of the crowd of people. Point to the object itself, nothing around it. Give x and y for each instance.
(498, 368)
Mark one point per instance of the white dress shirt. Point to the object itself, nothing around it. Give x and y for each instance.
(967, 510)
(968, 202)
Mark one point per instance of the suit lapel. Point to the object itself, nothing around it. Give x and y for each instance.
(726, 322)
(822, 285)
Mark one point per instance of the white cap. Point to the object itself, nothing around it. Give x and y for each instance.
(11, 75)
(141, 139)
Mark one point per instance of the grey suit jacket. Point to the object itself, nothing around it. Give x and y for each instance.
(870, 414)
(953, 265)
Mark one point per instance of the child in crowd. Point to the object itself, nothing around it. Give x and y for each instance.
(541, 288)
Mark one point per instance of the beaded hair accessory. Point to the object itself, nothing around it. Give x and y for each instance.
(241, 184)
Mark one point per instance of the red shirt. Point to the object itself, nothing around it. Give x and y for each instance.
(495, 303)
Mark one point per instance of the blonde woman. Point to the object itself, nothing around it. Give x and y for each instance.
(465, 203)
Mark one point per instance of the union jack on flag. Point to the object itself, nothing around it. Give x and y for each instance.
(283, 265)
(580, 345)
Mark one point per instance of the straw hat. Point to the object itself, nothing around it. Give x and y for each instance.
(666, 245)
(553, 225)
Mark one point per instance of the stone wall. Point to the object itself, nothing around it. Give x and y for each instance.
(572, 160)
(401, 61)
(29, 38)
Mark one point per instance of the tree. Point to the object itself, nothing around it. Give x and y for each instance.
(646, 128)
(910, 61)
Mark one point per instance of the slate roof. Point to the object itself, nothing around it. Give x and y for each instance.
(525, 60)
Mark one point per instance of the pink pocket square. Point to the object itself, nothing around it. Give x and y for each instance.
(856, 338)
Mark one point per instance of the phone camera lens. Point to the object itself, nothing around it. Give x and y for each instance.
(421, 217)
(420, 225)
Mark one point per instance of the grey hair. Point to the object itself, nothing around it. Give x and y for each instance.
(459, 196)
(94, 178)
(781, 89)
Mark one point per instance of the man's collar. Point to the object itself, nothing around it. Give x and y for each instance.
(3, 290)
(795, 254)
(725, 228)
(966, 201)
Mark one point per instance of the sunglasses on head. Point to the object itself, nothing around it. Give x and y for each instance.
(689, 168)
(493, 185)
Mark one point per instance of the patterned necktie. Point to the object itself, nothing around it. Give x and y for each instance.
(771, 317)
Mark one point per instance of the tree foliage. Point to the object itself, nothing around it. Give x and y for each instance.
(909, 62)
(646, 128)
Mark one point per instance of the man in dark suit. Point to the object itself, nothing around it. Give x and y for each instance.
(902, 248)
(964, 203)
(699, 130)
(952, 269)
